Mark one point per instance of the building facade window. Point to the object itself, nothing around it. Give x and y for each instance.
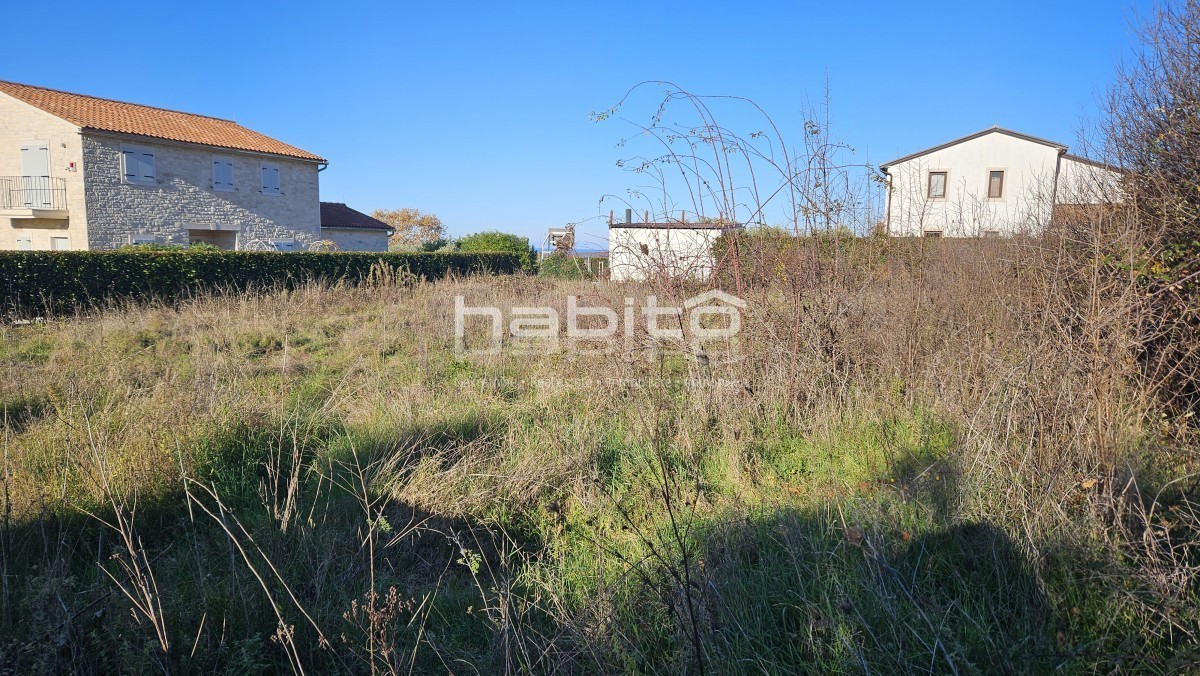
(991, 234)
(937, 184)
(270, 178)
(995, 184)
(60, 244)
(24, 243)
(933, 233)
(137, 165)
(222, 174)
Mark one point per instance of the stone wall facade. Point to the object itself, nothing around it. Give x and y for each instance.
(183, 197)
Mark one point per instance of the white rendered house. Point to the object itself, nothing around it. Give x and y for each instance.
(992, 183)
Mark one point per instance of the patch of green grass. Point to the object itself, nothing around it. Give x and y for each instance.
(797, 590)
(31, 344)
(259, 344)
(21, 409)
(859, 452)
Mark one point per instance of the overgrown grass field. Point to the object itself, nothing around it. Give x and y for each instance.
(917, 462)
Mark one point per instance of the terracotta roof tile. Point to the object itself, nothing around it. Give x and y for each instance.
(90, 112)
(338, 215)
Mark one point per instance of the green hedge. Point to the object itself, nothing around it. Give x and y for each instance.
(494, 240)
(563, 266)
(37, 282)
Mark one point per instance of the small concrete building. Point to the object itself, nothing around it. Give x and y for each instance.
(992, 183)
(351, 230)
(639, 251)
(81, 172)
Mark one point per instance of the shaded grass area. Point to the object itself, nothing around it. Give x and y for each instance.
(310, 483)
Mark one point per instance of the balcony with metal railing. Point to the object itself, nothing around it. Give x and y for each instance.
(33, 197)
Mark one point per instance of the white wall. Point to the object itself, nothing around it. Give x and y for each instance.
(1087, 183)
(642, 252)
(967, 211)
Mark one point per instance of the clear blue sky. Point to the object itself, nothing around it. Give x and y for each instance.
(478, 112)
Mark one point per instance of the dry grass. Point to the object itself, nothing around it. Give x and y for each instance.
(928, 456)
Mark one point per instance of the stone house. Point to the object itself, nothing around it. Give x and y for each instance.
(81, 172)
(993, 183)
(352, 230)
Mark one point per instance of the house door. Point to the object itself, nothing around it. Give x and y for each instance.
(35, 175)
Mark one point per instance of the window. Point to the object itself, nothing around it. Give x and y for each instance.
(137, 165)
(284, 244)
(143, 239)
(991, 234)
(937, 184)
(995, 184)
(222, 174)
(933, 233)
(24, 243)
(270, 179)
(60, 244)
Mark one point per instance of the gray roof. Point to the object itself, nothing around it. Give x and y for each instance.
(338, 215)
(972, 137)
(1090, 161)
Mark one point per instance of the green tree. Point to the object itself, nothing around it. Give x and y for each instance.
(493, 240)
(414, 228)
(1153, 128)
